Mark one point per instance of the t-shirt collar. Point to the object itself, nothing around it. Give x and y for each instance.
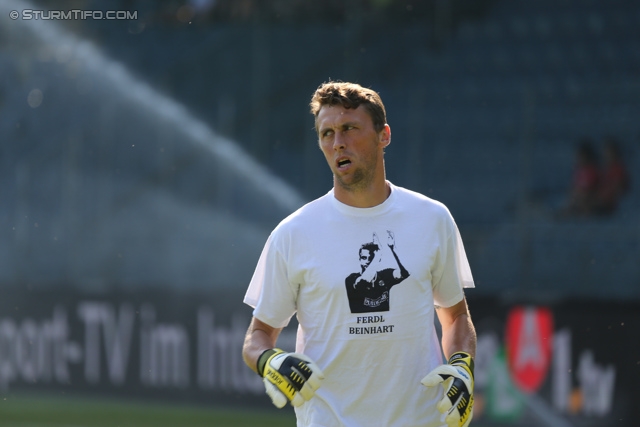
(364, 212)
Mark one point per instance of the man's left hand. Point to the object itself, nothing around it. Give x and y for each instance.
(456, 378)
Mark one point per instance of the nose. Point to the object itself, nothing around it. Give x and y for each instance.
(338, 141)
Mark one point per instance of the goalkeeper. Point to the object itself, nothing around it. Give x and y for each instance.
(380, 365)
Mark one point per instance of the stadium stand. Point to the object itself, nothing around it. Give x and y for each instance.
(483, 119)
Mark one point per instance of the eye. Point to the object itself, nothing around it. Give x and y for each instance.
(327, 133)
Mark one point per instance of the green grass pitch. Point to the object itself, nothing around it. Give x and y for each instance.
(47, 411)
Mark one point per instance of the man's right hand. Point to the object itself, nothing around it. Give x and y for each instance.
(289, 377)
(391, 240)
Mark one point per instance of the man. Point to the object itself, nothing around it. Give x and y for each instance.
(352, 368)
(368, 291)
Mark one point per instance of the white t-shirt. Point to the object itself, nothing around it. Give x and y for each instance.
(363, 283)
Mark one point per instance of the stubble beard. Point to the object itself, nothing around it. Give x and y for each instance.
(361, 178)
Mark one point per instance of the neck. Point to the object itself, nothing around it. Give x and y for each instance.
(368, 197)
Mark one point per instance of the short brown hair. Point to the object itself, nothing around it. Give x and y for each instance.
(350, 95)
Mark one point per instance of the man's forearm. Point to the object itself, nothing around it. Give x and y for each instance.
(460, 335)
(402, 272)
(259, 337)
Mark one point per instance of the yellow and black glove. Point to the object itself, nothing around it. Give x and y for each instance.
(289, 377)
(457, 381)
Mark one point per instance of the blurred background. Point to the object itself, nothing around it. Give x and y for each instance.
(149, 147)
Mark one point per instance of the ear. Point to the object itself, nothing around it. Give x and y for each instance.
(385, 136)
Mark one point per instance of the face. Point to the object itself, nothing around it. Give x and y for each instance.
(365, 256)
(351, 146)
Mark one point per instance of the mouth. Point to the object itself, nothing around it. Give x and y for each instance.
(343, 163)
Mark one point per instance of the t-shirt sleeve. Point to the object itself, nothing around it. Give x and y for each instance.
(452, 272)
(270, 293)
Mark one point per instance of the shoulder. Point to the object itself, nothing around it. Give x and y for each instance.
(305, 215)
(409, 199)
(423, 211)
(352, 277)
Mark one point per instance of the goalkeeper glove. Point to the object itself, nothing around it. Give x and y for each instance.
(457, 381)
(289, 377)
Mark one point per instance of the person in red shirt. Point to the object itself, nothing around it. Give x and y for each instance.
(586, 181)
(614, 182)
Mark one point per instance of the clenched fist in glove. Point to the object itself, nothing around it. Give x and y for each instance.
(289, 377)
(457, 381)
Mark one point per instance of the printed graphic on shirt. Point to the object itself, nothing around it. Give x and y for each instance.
(368, 290)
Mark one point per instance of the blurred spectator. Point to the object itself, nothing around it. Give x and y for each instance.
(583, 193)
(614, 180)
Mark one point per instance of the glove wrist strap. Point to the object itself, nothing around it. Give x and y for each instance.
(264, 358)
(462, 358)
